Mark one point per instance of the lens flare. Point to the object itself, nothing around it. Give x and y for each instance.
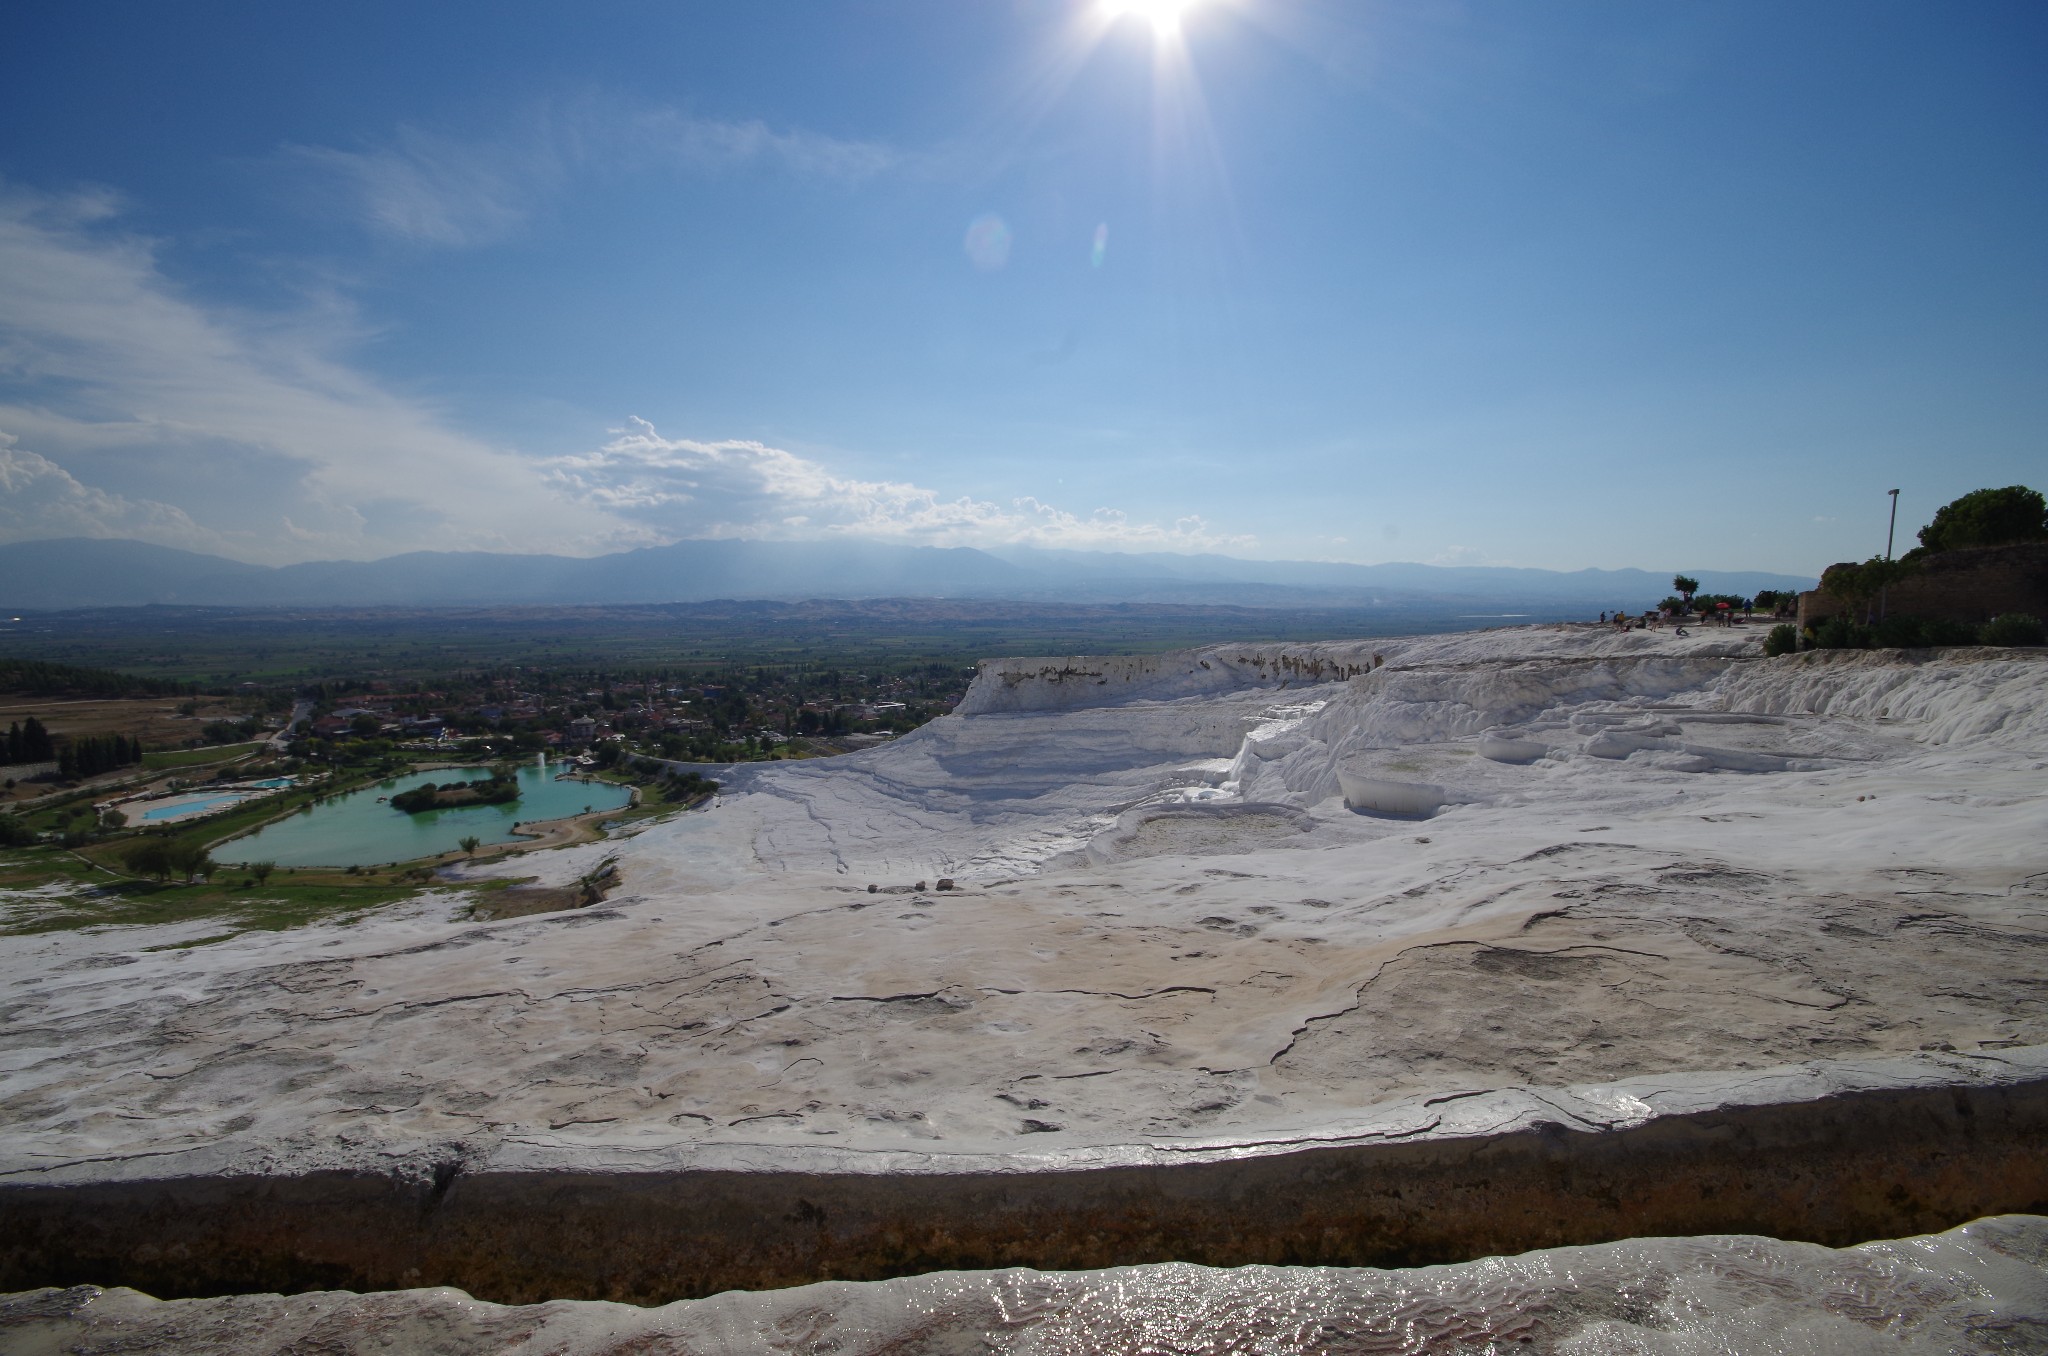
(1163, 15)
(988, 242)
(1100, 250)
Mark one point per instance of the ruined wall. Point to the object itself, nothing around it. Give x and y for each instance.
(1971, 586)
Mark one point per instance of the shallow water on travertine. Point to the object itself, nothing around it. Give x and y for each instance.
(1980, 1288)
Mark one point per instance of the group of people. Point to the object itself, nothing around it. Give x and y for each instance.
(1663, 616)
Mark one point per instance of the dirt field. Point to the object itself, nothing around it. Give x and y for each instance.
(154, 719)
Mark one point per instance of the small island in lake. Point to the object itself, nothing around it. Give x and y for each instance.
(496, 789)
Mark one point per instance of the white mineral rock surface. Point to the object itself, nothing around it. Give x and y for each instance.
(1980, 1288)
(1657, 863)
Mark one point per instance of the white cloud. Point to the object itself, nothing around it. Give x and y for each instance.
(39, 498)
(116, 362)
(685, 488)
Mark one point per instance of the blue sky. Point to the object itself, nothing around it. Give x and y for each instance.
(1560, 285)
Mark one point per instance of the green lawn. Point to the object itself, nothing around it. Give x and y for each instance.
(218, 753)
(70, 894)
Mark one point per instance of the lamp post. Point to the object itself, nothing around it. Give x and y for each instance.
(1884, 594)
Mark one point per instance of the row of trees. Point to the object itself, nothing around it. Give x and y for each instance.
(84, 756)
(91, 755)
(40, 678)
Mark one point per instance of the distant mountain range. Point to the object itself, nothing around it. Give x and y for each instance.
(77, 572)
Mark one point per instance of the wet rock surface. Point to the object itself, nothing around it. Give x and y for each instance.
(1981, 1288)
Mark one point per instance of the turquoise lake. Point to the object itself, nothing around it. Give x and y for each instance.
(358, 830)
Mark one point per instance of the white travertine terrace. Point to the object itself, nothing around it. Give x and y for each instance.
(1981, 1288)
(1167, 926)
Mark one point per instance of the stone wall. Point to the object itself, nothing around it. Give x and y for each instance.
(1970, 586)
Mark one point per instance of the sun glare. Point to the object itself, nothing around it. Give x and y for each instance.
(1163, 15)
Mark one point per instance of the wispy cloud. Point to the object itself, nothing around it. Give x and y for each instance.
(1465, 555)
(431, 188)
(131, 409)
(715, 143)
(685, 488)
(110, 364)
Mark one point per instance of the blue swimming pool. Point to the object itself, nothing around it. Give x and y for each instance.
(177, 807)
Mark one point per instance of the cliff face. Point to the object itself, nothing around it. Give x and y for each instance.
(1071, 682)
(1971, 586)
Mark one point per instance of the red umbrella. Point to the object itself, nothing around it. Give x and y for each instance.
(1722, 606)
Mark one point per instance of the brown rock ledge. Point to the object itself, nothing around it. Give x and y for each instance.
(1854, 1153)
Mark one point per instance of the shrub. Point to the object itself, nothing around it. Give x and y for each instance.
(226, 731)
(1783, 639)
(14, 833)
(1840, 633)
(1947, 633)
(2013, 628)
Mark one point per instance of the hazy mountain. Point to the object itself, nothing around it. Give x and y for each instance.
(90, 572)
(80, 572)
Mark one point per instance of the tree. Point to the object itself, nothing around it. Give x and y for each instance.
(150, 857)
(260, 871)
(469, 844)
(1988, 518)
(29, 742)
(190, 860)
(1685, 586)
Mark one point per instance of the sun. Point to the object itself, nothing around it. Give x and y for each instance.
(1163, 15)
